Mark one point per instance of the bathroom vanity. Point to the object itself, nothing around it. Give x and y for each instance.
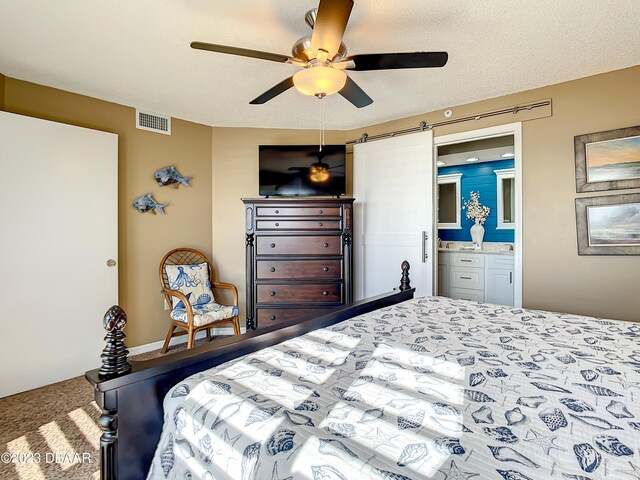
(477, 275)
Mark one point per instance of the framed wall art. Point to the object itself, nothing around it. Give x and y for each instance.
(608, 225)
(608, 160)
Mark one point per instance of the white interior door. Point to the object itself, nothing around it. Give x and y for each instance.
(58, 205)
(393, 188)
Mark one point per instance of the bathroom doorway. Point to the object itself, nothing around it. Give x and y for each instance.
(478, 194)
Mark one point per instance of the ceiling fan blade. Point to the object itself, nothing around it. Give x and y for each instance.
(243, 52)
(388, 61)
(352, 92)
(330, 24)
(273, 92)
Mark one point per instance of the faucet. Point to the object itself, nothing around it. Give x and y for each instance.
(510, 247)
(448, 245)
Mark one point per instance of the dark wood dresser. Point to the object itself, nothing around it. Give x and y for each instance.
(299, 257)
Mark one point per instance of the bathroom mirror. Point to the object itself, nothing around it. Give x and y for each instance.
(449, 201)
(506, 198)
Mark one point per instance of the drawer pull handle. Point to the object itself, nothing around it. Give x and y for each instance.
(325, 269)
(277, 224)
(319, 224)
(325, 293)
(320, 212)
(468, 261)
(272, 269)
(272, 293)
(466, 278)
(277, 211)
(325, 245)
(273, 245)
(273, 317)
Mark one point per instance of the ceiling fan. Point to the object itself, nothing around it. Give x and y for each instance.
(324, 58)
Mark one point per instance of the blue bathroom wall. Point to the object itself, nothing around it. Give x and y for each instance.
(478, 177)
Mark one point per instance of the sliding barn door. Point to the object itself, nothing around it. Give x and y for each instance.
(393, 188)
(58, 204)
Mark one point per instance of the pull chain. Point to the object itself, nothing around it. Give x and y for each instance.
(320, 97)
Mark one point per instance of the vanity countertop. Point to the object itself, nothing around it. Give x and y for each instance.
(486, 252)
(489, 248)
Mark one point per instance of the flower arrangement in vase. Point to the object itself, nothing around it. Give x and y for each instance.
(479, 213)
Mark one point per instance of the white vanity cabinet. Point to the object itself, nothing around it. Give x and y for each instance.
(466, 276)
(499, 279)
(479, 277)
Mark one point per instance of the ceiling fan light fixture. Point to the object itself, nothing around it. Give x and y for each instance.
(319, 80)
(318, 173)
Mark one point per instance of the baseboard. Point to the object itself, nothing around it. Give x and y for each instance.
(148, 347)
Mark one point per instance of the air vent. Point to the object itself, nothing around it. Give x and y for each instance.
(153, 122)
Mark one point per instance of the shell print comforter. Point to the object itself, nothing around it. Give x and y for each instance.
(431, 388)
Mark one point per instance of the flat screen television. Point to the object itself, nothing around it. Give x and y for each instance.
(302, 170)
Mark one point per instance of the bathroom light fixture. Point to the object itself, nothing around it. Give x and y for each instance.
(440, 163)
(472, 159)
(508, 155)
(319, 80)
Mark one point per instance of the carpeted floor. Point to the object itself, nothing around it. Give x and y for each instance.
(56, 419)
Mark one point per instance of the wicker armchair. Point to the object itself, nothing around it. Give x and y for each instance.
(191, 319)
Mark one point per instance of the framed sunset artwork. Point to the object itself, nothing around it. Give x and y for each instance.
(608, 160)
(608, 225)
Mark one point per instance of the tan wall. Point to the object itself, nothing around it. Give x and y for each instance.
(235, 176)
(2, 82)
(143, 238)
(555, 277)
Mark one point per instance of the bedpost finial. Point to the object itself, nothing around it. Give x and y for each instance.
(405, 281)
(115, 319)
(114, 355)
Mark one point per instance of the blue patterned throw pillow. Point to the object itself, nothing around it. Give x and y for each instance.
(193, 281)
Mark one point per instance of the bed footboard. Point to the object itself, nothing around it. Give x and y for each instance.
(131, 394)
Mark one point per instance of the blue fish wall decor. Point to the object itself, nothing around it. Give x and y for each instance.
(146, 202)
(170, 176)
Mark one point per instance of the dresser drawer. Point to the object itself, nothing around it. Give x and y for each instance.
(467, 259)
(467, 294)
(298, 225)
(465, 277)
(268, 316)
(302, 245)
(298, 211)
(311, 293)
(299, 269)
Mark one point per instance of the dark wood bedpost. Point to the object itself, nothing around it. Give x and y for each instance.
(405, 281)
(114, 363)
(114, 355)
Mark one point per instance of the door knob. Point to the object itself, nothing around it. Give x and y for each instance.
(111, 262)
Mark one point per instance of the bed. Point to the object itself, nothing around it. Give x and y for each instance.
(418, 388)
(428, 388)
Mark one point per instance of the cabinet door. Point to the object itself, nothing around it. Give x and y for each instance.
(499, 286)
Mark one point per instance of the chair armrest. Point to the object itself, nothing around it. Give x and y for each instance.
(228, 286)
(183, 297)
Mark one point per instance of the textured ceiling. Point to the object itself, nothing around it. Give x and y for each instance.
(136, 52)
